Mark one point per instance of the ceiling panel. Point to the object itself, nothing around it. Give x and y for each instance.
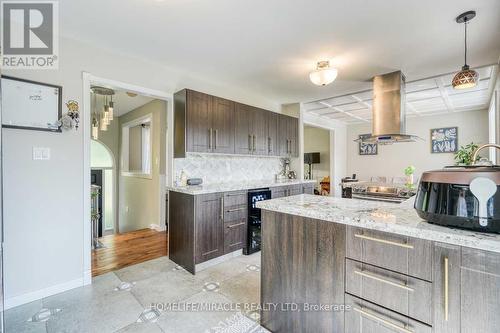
(424, 97)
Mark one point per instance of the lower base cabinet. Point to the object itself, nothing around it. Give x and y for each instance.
(365, 317)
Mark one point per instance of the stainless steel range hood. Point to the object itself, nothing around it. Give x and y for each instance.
(389, 115)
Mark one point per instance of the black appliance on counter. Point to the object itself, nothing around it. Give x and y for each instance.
(346, 189)
(254, 219)
(464, 197)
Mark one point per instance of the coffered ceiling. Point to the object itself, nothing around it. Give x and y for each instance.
(424, 97)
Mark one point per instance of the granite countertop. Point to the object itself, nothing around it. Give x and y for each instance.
(235, 186)
(394, 218)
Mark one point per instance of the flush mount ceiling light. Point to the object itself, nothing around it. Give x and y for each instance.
(323, 74)
(466, 78)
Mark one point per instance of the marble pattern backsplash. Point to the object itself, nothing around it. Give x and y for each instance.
(226, 168)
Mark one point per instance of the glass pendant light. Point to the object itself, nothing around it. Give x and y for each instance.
(95, 128)
(106, 111)
(466, 78)
(323, 74)
(111, 107)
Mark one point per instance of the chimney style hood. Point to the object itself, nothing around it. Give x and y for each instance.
(389, 115)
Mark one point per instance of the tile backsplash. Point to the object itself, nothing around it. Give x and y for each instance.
(227, 168)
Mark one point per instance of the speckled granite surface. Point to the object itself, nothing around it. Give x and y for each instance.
(235, 186)
(399, 219)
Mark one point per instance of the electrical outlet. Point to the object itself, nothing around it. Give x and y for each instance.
(41, 154)
(126, 209)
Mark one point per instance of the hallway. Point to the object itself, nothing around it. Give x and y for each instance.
(128, 249)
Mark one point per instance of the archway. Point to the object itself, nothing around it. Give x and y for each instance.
(103, 166)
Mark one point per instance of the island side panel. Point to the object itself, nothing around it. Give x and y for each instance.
(302, 262)
(181, 230)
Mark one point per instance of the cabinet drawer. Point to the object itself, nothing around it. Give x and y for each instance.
(237, 198)
(402, 254)
(234, 235)
(278, 192)
(295, 190)
(365, 317)
(235, 213)
(308, 189)
(407, 295)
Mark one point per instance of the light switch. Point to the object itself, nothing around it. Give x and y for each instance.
(41, 153)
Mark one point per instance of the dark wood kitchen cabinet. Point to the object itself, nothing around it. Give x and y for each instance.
(446, 286)
(202, 123)
(210, 124)
(209, 227)
(288, 132)
(272, 132)
(480, 291)
(251, 130)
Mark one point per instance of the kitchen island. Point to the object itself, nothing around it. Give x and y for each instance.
(347, 265)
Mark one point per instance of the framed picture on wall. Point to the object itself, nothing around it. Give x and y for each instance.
(366, 148)
(30, 105)
(444, 140)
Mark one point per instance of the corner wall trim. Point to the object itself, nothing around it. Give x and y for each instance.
(39, 294)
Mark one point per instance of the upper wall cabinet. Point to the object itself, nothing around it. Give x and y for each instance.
(288, 136)
(202, 123)
(209, 124)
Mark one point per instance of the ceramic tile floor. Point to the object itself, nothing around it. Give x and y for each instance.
(121, 301)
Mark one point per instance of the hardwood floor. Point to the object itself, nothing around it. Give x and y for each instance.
(128, 249)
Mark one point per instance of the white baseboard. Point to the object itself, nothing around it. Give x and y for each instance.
(39, 294)
(157, 227)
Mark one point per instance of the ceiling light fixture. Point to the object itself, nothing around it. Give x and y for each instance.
(104, 117)
(323, 74)
(466, 78)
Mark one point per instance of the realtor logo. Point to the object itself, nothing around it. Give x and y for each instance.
(30, 34)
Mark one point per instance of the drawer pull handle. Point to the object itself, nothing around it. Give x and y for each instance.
(406, 246)
(379, 279)
(235, 209)
(235, 225)
(446, 289)
(383, 321)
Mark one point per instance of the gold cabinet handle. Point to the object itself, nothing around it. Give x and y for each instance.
(222, 208)
(235, 225)
(446, 289)
(379, 279)
(254, 143)
(235, 209)
(406, 246)
(215, 142)
(249, 142)
(210, 138)
(381, 320)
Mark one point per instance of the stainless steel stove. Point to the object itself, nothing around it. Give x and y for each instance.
(381, 192)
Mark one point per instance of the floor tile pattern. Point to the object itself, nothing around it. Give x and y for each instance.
(150, 297)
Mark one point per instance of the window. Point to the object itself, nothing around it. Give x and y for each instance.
(137, 148)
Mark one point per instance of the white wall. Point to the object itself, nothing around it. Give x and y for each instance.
(43, 201)
(392, 159)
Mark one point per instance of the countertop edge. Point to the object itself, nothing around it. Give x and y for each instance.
(198, 189)
(437, 234)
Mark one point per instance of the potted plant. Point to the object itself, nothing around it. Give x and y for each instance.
(409, 171)
(464, 155)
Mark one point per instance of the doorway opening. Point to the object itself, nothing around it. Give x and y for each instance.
(317, 155)
(127, 176)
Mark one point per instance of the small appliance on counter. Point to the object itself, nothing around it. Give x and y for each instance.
(254, 219)
(465, 197)
(347, 190)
